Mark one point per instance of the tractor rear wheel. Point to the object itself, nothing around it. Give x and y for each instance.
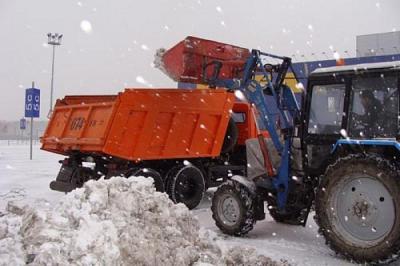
(185, 184)
(233, 209)
(357, 208)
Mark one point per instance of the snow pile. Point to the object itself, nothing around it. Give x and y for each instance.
(11, 249)
(112, 222)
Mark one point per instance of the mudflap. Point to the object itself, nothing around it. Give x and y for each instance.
(64, 181)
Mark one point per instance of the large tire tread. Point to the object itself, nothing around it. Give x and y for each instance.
(247, 205)
(388, 249)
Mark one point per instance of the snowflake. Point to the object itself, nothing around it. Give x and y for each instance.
(86, 26)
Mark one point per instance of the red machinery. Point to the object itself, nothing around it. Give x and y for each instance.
(196, 60)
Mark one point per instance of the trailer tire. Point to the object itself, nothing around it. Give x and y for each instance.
(233, 209)
(231, 137)
(357, 208)
(185, 184)
(148, 172)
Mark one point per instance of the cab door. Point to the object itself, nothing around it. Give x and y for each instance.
(323, 121)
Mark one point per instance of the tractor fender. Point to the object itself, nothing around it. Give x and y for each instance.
(245, 182)
(365, 142)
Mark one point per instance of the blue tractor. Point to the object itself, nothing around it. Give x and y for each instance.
(338, 153)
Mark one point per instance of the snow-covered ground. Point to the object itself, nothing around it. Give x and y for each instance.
(28, 181)
(296, 244)
(23, 179)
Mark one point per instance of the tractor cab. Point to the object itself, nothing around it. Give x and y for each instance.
(359, 102)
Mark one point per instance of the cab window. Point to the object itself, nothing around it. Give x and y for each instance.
(326, 109)
(238, 117)
(374, 107)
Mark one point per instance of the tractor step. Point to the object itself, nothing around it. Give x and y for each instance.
(265, 182)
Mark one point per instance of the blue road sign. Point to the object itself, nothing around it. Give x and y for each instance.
(32, 102)
(22, 124)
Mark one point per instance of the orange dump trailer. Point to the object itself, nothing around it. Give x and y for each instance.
(186, 140)
(141, 124)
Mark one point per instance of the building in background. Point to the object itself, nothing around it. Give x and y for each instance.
(387, 43)
(11, 130)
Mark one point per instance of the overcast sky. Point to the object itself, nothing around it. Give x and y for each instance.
(118, 49)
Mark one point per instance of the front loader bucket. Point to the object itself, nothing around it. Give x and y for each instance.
(198, 61)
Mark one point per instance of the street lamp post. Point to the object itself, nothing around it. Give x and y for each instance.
(54, 40)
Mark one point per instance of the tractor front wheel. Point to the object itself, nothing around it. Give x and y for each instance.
(233, 209)
(357, 208)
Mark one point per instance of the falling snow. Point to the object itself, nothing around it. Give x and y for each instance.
(141, 80)
(86, 26)
(299, 86)
(144, 47)
(240, 95)
(336, 55)
(343, 132)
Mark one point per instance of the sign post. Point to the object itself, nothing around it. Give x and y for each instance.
(22, 127)
(32, 108)
(22, 124)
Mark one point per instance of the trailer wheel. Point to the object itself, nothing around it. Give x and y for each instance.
(148, 172)
(231, 137)
(357, 208)
(185, 184)
(233, 209)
